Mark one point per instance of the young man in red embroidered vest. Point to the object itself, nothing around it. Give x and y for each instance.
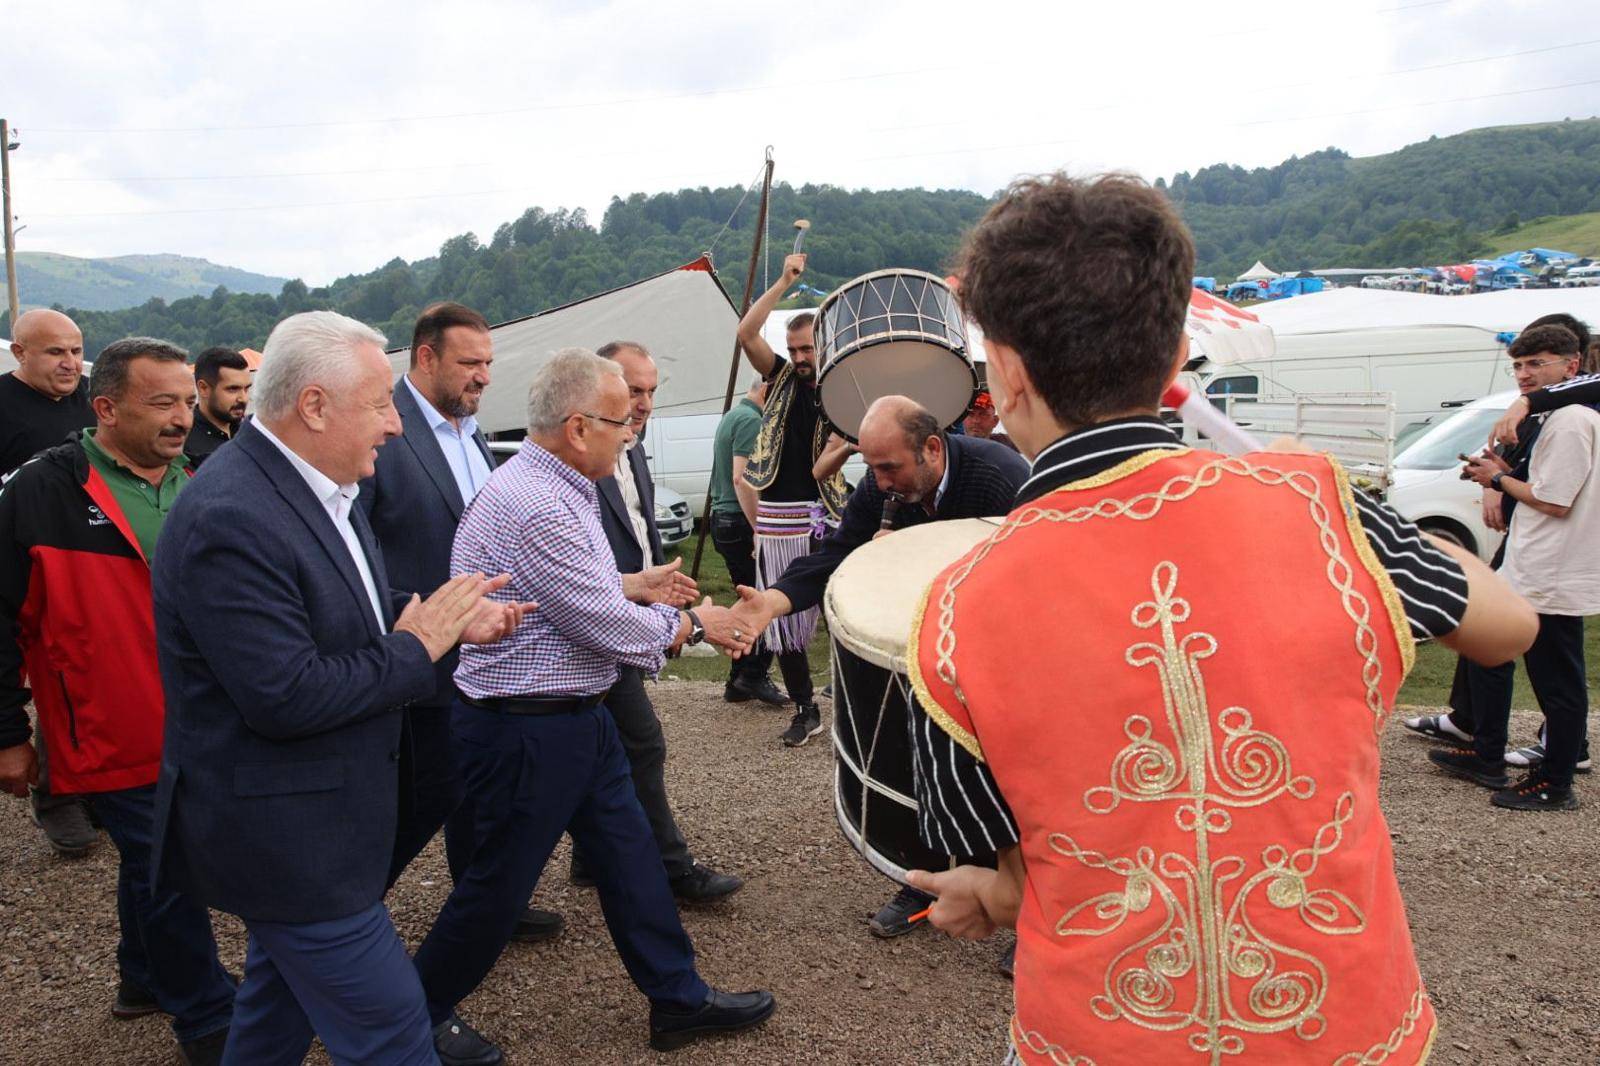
(78, 530)
(1183, 729)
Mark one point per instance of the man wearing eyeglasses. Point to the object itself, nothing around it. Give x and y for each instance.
(540, 751)
(1549, 559)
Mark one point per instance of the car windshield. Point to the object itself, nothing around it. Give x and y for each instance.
(1440, 447)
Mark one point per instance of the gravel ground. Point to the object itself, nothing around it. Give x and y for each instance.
(1498, 904)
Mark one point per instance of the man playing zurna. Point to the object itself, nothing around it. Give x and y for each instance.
(1199, 869)
(798, 476)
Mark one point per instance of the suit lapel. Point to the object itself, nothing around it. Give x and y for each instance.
(297, 494)
(611, 495)
(419, 437)
(647, 501)
(380, 574)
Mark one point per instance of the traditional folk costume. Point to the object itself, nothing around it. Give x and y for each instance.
(1184, 727)
(801, 510)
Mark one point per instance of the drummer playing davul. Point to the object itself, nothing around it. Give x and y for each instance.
(1175, 666)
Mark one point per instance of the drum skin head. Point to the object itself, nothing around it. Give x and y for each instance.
(873, 595)
(939, 379)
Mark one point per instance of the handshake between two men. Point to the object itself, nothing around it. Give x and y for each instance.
(730, 629)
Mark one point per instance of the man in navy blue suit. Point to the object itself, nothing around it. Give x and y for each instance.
(413, 500)
(286, 661)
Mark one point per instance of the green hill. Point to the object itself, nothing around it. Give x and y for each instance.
(1566, 233)
(1427, 203)
(46, 279)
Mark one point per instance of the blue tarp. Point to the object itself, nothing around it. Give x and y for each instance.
(1206, 284)
(1280, 288)
(1544, 255)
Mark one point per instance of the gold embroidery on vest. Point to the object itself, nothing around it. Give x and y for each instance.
(1244, 981)
(1145, 506)
(1037, 1043)
(1379, 1053)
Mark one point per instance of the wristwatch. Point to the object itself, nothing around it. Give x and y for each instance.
(697, 632)
(1494, 482)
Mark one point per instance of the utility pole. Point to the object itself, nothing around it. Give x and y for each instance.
(5, 204)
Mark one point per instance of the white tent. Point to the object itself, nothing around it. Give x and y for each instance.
(1499, 312)
(1259, 272)
(682, 316)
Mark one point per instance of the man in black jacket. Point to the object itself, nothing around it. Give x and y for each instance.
(627, 514)
(936, 476)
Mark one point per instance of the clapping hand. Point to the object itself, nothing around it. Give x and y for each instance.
(494, 621)
(666, 584)
(439, 621)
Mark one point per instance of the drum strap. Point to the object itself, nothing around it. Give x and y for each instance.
(762, 469)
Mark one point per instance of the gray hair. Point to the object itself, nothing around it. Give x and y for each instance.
(110, 374)
(311, 348)
(568, 383)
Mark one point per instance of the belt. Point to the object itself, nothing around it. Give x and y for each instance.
(534, 704)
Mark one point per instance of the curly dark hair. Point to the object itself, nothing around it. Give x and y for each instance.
(1557, 340)
(1088, 281)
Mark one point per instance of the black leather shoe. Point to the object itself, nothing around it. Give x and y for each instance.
(537, 925)
(204, 1050)
(722, 1012)
(1468, 765)
(704, 885)
(742, 690)
(458, 1044)
(133, 1001)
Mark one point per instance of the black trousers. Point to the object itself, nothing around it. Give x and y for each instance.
(646, 748)
(735, 541)
(1556, 671)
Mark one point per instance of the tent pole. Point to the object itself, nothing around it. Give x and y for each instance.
(733, 368)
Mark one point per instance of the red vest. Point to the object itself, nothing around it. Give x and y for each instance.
(1178, 671)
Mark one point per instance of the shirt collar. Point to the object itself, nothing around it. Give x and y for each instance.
(468, 424)
(174, 468)
(327, 491)
(944, 479)
(1093, 449)
(544, 461)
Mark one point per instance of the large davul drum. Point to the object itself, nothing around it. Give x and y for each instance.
(892, 333)
(870, 602)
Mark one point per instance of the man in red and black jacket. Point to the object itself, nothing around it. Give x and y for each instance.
(78, 529)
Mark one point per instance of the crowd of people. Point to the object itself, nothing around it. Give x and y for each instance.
(274, 656)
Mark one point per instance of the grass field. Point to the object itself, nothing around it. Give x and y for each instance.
(1568, 233)
(1428, 685)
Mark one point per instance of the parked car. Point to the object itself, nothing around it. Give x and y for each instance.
(672, 510)
(1426, 485)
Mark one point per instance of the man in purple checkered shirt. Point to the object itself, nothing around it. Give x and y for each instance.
(539, 752)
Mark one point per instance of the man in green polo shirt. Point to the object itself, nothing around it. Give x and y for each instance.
(79, 525)
(733, 517)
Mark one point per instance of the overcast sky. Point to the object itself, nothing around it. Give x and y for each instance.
(319, 139)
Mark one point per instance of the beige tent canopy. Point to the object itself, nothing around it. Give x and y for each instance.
(682, 316)
(1259, 272)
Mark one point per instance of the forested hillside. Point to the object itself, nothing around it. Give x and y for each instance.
(1434, 202)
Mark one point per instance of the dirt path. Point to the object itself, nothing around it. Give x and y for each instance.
(1503, 907)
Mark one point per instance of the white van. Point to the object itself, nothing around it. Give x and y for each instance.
(1425, 368)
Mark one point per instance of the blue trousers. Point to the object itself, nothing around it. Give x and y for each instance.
(348, 981)
(528, 778)
(167, 944)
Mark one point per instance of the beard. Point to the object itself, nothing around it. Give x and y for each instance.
(462, 406)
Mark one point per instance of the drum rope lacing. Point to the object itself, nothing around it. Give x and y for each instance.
(862, 774)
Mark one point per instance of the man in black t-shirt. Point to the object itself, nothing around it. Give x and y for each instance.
(802, 492)
(47, 396)
(41, 402)
(222, 381)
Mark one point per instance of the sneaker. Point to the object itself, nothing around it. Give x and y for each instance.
(459, 1044)
(827, 691)
(1535, 793)
(1008, 963)
(807, 723)
(702, 884)
(1532, 757)
(723, 1012)
(895, 917)
(1436, 727)
(536, 926)
(133, 1001)
(65, 821)
(743, 690)
(1468, 765)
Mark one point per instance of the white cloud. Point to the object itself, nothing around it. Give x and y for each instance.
(570, 104)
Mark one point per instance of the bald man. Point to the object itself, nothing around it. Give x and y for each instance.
(47, 396)
(937, 476)
(42, 402)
